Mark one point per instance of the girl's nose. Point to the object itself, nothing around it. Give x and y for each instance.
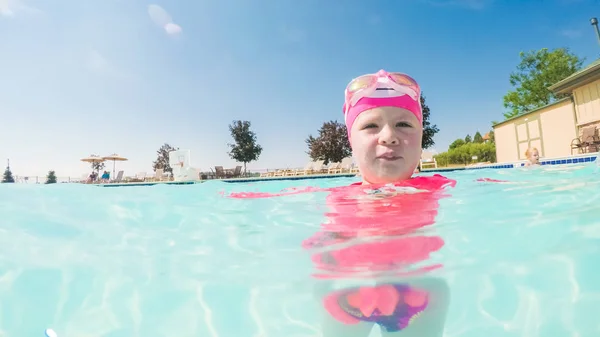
(387, 136)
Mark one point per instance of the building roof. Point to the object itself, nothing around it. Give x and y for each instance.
(582, 77)
(486, 136)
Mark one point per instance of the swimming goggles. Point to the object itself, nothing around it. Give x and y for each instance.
(367, 85)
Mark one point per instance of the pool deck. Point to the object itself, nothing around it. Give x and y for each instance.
(150, 183)
(232, 180)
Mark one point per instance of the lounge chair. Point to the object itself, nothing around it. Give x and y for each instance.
(119, 177)
(140, 177)
(303, 171)
(427, 160)
(588, 141)
(280, 172)
(237, 172)
(318, 167)
(346, 165)
(267, 174)
(334, 168)
(220, 172)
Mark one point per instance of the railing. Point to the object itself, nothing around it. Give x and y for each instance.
(42, 179)
(77, 179)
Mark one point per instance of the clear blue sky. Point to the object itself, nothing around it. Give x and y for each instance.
(80, 77)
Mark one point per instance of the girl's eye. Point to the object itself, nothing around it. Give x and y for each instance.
(403, 125)
(370, 126)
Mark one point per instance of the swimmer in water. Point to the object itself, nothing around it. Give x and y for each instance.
(533, 157)
(384, 119)
(377, 229)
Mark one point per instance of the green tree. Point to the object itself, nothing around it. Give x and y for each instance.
(457, 143)
(492, 137)
(244, 149)
(464, 154)
(162, 159)
(535, 73)
(8, 177)
(477, 138)
(429, 130)
(468, 139)
(51, 178)
(331, 145)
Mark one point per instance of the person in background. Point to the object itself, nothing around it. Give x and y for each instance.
(533, 157)
(92, 177)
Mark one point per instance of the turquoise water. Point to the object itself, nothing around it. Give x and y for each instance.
(520, 259)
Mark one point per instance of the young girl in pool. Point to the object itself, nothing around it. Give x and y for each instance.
(384, 119)
(377, 228)
(533, 157)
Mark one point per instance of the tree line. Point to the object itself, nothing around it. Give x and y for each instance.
(466, 150)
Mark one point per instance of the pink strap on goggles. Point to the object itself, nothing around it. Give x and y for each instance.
(378, 90)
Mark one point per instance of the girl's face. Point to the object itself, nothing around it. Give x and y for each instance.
(386, 143)
(534, 157)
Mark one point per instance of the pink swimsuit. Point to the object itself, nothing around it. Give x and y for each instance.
(389, 213)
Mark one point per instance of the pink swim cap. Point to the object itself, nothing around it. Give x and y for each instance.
(380, 90)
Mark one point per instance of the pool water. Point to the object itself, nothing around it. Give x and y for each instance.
(521, 259)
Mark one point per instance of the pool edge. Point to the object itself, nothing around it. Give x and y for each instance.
(576, 159)
(232, 180)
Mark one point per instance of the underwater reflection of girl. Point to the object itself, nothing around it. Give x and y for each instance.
(381, 226)
(375, 235)
(378, 235)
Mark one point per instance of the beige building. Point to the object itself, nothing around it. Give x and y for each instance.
(566, 127)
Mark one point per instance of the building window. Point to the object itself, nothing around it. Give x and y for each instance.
(529, 134)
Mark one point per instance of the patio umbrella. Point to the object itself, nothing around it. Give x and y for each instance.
(93, 159)
(115, 158)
